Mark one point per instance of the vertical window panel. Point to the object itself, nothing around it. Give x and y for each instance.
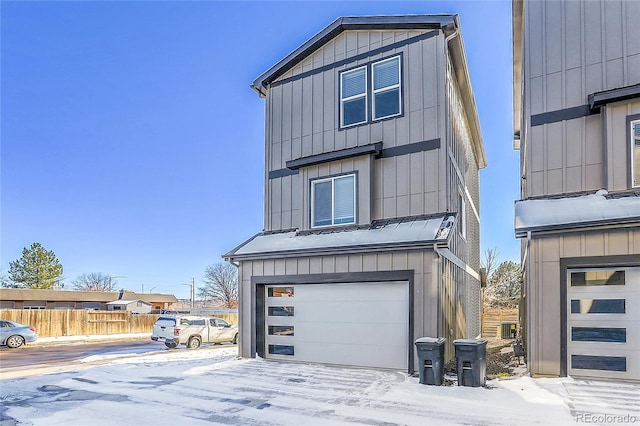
(386, 88)
(353, 97)
(635, 153)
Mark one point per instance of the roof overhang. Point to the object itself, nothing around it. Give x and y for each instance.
(440, 22)
(517, 28)
(410, 233)
(598, 99)
(576, 213)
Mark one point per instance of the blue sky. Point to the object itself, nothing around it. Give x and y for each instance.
(131, 143)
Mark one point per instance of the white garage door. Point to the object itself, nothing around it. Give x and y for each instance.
(362, 324)
(603, 324)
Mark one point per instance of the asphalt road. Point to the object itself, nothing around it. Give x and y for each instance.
(32, 355)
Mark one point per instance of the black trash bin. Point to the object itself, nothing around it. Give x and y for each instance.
(431, 360)
(471, 361)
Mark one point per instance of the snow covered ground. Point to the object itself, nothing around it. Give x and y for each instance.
(213, 386)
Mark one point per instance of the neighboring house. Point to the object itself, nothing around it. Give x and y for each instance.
(20, 298)
(371, 229)
(577, 126)
(136, 306)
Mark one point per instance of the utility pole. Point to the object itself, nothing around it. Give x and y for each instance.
(192, 292)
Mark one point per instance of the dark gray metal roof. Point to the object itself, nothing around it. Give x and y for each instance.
(447, 22)
(404, 233)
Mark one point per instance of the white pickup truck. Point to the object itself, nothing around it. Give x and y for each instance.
(192, 331)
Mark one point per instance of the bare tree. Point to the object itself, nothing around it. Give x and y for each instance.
(490, 259)
(221, 285)
(95, 281)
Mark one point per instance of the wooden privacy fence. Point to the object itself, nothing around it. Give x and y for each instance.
(72, 322)
(493, 318)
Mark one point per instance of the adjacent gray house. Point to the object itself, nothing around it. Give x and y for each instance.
(372, 214)
(577, 126)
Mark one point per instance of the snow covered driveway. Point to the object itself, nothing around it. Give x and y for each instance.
(213, 386)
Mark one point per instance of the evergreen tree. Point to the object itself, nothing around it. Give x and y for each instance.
(503, 288)
(37, 268)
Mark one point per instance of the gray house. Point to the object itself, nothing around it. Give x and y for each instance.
(371, 218)
(577, 126)
(137, 306)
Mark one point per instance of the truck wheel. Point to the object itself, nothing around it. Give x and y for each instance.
(235, 339)
(171, 345)
(194, 342)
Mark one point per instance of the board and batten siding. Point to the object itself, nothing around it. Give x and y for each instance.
(302, 120)
(423, 263)
(463, 179)
(573, 49)
(543, 293)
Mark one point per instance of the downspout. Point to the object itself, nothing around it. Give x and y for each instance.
(438, 279)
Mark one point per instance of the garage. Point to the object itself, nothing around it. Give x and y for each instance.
(603, 323)
(356, 323)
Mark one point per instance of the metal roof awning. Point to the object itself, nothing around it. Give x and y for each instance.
(379, 236)
(575, 212)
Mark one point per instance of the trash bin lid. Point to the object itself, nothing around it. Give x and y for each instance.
(433, 340)
(470, 342)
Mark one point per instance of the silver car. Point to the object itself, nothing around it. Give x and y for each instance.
(14, 335)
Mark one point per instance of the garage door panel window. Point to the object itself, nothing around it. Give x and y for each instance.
(281, 350)
(599, 334)
(280, 291)
(591, 362)
(598, 306)
(281, 330)
(597, 278)
(281, 311)
(333, 201)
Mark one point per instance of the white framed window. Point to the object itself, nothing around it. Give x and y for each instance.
(386, 88)
(463, 215)
(635, 153)
(383, 93)
(353, 97)
(333, 201)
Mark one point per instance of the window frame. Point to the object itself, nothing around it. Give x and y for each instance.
(635, 167)
(332, 179)
(352, 98)
(370, 92)
(397, 86)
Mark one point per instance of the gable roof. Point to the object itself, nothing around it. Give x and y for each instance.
(448, 22)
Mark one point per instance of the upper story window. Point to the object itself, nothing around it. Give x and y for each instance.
(386, 88)
(635, 153)
(333, 201)
(385, 91)
(353, 96)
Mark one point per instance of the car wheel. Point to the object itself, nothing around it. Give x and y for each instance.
(171, 345)
(194, 343)
(15, 341)
(235, 339)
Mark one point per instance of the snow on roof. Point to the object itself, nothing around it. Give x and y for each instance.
(571, 212)
(408, 232)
